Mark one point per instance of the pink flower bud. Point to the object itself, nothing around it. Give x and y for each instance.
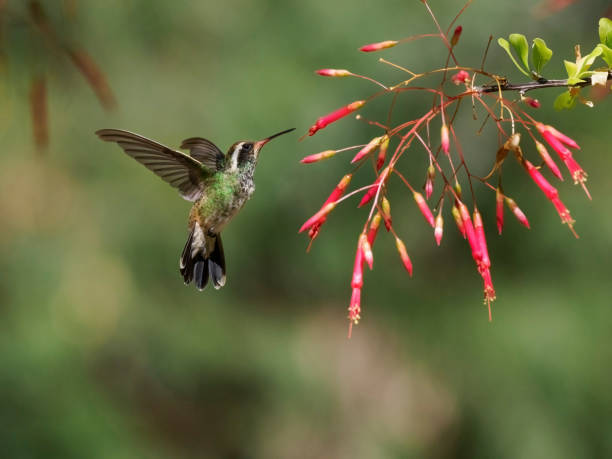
(355, 306)
(333, 72)
(318, 217)
(456, 35)
(461, 77)
(424, 208)
(369, 148)
(518, 213)
(318, 156)
(499, 209)
(444, 136)
(382, 152)
(484, 262)
(373, 231)
(385, 208)
(439, 228)
(548, 160)
(401, 249)
(457, 218)
(535, 103)
(378, 46)
(368, 256)
(369, 195)
(431, 174)
(335, 116)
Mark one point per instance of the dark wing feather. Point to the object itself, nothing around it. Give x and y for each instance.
(205, 151)
(178, 169)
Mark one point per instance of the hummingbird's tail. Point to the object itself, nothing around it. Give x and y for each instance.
(203, 259)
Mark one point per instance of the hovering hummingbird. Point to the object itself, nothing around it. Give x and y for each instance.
(219, 185)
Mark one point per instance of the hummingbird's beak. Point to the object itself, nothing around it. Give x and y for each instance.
(261, 143)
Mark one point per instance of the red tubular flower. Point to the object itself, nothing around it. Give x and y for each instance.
(431, 174)
(548, 160)
(333, 72)
(499, 209)
(577, 173)
(518, 213)
(385, 208)
(445, 139)
(542, 128)
(366, 249)
(357, 279)
(461, 77)
(382, 152)
(424, 208)
(340, 189)
(470, 232)
(318, 156)
(374, 225)
(378, 46)
(401, 249)
(335, 116)
(369, 148)
(439, 228)
(319, 217)
(457, 218)
(549, 190)
(336, 194)
(456, 35)
(485, 262)
(367, 197)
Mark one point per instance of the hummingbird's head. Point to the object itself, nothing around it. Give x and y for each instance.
(247, 152)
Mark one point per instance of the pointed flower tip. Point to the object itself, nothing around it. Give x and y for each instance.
(439, 228)
(445, 139)
(456, 35)
(401, 249)
(333, 72)
(518, 213)
(326, 120)
(355, 307)
(318, 157)
(534, 103)
(378, 46)
(424, 208)
(369, 148)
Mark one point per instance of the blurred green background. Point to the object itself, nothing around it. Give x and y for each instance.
(104, 353)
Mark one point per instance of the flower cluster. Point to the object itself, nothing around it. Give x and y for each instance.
(448, 165)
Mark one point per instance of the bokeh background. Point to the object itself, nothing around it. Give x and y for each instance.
(104, 353)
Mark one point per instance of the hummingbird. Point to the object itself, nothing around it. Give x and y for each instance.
(218, 184)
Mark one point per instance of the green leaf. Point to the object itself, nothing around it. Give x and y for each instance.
(564, 101)
(519, 43)
(505, 45)
(605, 32)
(571, 68)
(541, 54)
(606, 54)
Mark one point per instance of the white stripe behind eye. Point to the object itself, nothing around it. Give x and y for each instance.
(234, 156)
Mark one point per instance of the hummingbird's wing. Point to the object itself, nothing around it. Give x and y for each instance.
(178, 169)
(205, 151)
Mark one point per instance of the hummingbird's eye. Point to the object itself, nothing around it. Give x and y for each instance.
(246, 147)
